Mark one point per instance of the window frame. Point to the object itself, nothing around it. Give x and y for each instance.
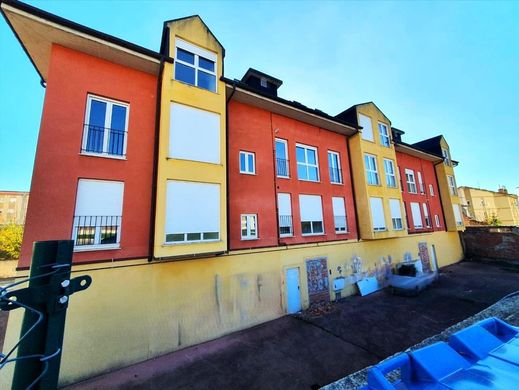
(197, 53)
(363, 131)
(415, 226)
(421, 183)
(452, 185)
(345, 231)
(247, 154)
(437, 220)
(290, 215)
(110, 103)
(368, 170)
(306, 164)
(285, 144)
(313, 233)
(409, 173)
(431, 190)
(426, 215)
(378, 228)
(383, 136)
(338, 167)
(249, 236)
(395, 218)
(446, 157)
(389, 175)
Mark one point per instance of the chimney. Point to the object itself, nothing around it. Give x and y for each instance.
(502, 190)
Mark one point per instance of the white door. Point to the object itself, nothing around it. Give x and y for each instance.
(293, 295)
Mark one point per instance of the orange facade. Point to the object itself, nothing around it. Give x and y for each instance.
(426, 194)
(255, 130)
(59, 165)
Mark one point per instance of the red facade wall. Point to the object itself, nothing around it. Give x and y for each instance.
(254, 130)
(406, 161)
(58, 164)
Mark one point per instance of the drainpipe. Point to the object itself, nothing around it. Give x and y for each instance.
(440, 195)
(353, 188)
(153, 208)
(228, 204)
(276, 182)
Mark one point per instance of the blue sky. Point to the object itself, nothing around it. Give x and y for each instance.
(448, 68)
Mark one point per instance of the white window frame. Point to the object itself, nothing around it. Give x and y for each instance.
(248, 227)
(263, 82)
(366, 132)
(384, 135)
(313, 233)
(446, 157)
(108, 116)
(390, 175)
(420, 182)
(369, 169)
(437, 220)
(459, 222)
(416, 215)
(396, 214)
(197, 52)
(452, 184)
(247, 170)
(306, 164)
(285, 144)
(287, 213)
(428, 222)
(338, 167)
(377, 201)
(431, 189)
(411, 181)
(336, 200)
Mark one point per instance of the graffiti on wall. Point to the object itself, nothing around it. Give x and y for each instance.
(423, 253)
(317, 271)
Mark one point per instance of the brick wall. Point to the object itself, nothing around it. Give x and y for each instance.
(487, 242)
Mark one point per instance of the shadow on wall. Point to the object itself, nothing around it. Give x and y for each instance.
(491, 243)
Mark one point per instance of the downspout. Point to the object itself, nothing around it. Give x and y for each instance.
(440, 194)
(276, 182)
(228, 205)
(153, 208)
(353, 187)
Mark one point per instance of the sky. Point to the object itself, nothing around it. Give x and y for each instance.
(448, 68)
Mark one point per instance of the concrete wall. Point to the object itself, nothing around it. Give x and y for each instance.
(137, 310)
(487, 242)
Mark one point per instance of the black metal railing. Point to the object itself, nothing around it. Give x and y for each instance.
(103, 140)
(335, 175)
(96, 230)
(285, 225)
(341, 224)
(282, 167)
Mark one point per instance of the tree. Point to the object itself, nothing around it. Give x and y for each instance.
(493, 220)
(10, 241)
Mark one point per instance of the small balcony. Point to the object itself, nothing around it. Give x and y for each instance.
(282, 167)
(104, 141)
(285, 226)
(96, 232)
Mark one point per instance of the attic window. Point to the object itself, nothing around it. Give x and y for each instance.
(195, 66)
(263, 82)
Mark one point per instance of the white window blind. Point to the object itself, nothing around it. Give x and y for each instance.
(417, 215)
(377, 214)
(194, 134)
(284, 206)
(285, 215)
(420, 182)
(339, 214)
(457, 214)
(367, 129)
(99, 198)
(311, 208)
(396, 214)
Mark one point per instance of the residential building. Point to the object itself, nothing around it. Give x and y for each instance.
(202, 205)
(484, 205)
(13, 207)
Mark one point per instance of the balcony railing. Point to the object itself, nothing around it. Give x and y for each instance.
(102, 140)
(97, 230)
(282, 167)
(341, 224)
(335, 175)
(285, 225)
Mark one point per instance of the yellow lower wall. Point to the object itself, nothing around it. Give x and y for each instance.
(138, 310)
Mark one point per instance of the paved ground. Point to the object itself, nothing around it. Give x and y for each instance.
(299, 353)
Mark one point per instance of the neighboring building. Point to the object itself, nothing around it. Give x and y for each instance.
(483, 205)
(202, 205)
(13, 207)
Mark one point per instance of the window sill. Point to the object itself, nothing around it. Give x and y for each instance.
(310, 181)
(103, 155)
(91, 248)
(250, 239)
(283, 177)
(375, 185)
(342, 232)
(313, 234)
(168, 244)
(286, 235)
(196, 86)
(337, 183)
(248, 173)
(380, 230)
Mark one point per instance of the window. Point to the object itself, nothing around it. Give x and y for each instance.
(420, 182)
(282, 158)
(98, 214)
(371, 169)
(389, 169)
(106, 125)
(307, 167)
(411, 184)
(426, 215)
(195, 66)
(192, 212)
(457, 214)
(334, 165)
(437, 220)
(311, 214)
(377, 214)
(446, 157)
(396, 214)
(417, 215)
(247, 164)
(384, 135)
(263, 82)
(194, 134)
(285, 215)
(367, 129)
(431, 189)
(249, 227)
(452, 184)
(339, 215)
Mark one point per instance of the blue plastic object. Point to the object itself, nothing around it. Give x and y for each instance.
(482, 356)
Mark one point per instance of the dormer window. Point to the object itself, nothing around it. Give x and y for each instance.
(195, 66)
(263, 82)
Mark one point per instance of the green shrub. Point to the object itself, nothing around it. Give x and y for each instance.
(10, 241)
